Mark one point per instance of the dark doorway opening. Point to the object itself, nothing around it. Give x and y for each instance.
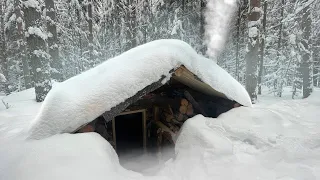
(129, 134)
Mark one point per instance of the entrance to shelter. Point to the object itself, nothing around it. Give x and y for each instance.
(129, 133)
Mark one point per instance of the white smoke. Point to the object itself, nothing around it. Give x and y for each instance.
(218, 16)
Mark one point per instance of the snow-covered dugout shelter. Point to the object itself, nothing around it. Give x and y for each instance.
(142, 94)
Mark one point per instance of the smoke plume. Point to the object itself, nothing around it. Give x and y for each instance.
(218, 16)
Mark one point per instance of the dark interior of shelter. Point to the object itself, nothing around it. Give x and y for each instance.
(151, 124)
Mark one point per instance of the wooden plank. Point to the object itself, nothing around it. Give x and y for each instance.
(114, 133)
(186, 77)
(156, 113)
(195, 104)
(144, 127)
(132, 112)
(165, 128)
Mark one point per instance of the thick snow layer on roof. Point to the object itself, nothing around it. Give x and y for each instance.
(274, 142)
(84, 97)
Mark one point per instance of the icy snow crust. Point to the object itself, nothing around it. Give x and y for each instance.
(268, 142)
(82, 98)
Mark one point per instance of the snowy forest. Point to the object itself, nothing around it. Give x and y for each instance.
(270, 44)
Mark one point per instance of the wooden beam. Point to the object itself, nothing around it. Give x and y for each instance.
(183, 75)
(144, 126)
(194, 103)
(165, 128)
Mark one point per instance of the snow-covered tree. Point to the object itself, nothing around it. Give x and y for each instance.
(252, 55)
(305, 45)
(36, 48)
(3, 51)
(55, 61)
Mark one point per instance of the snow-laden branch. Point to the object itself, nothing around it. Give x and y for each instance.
(38, 32)
(293, 16)
(2, 78)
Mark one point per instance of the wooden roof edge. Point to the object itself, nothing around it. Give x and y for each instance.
(183, 75)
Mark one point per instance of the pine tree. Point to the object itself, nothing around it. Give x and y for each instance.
(55, 60)
(3, 51)
(36, 49)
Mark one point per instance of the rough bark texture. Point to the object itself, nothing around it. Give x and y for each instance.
(280, 29)
(80, 65)
(306, 65)
(55, 61)
(238, 42)
(202, 26)
(21, 37)
(90, 22)
(131, 25)
(3, 51)
(316, 60)
(262, 45)
(252, 55)
(36, 53)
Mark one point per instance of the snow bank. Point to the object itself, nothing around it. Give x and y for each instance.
(82, 98)
(63, 157)
(277, 142)
(22, 109)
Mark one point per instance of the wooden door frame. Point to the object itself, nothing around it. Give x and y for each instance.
(144, 126)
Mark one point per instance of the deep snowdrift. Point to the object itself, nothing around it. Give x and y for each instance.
(277, 142)
(15, 120)
(82, 98)
(64, 157)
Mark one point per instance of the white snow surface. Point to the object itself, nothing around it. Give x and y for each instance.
(84, 97)
(271, 141)
(2, 78)
(15, 120)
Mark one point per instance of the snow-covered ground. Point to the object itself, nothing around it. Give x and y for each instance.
(275, 140)
(22, 108)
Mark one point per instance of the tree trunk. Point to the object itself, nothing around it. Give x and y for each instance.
(262, 45)
(306, 65)
(238, 43)
(279, 82)
(131, 25)
(21, 37)
(316, 60)
(55, 61)
(3, 51)
(80, 65)
(90, 22)
(203, 49)
(36, 50)
(253, 49)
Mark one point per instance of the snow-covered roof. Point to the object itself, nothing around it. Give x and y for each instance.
(86, 96)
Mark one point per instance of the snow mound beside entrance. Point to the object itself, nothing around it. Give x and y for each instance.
(84, 97)
(276, 142)
(64, 156)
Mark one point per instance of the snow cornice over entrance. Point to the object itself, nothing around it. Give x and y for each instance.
(86, 96)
